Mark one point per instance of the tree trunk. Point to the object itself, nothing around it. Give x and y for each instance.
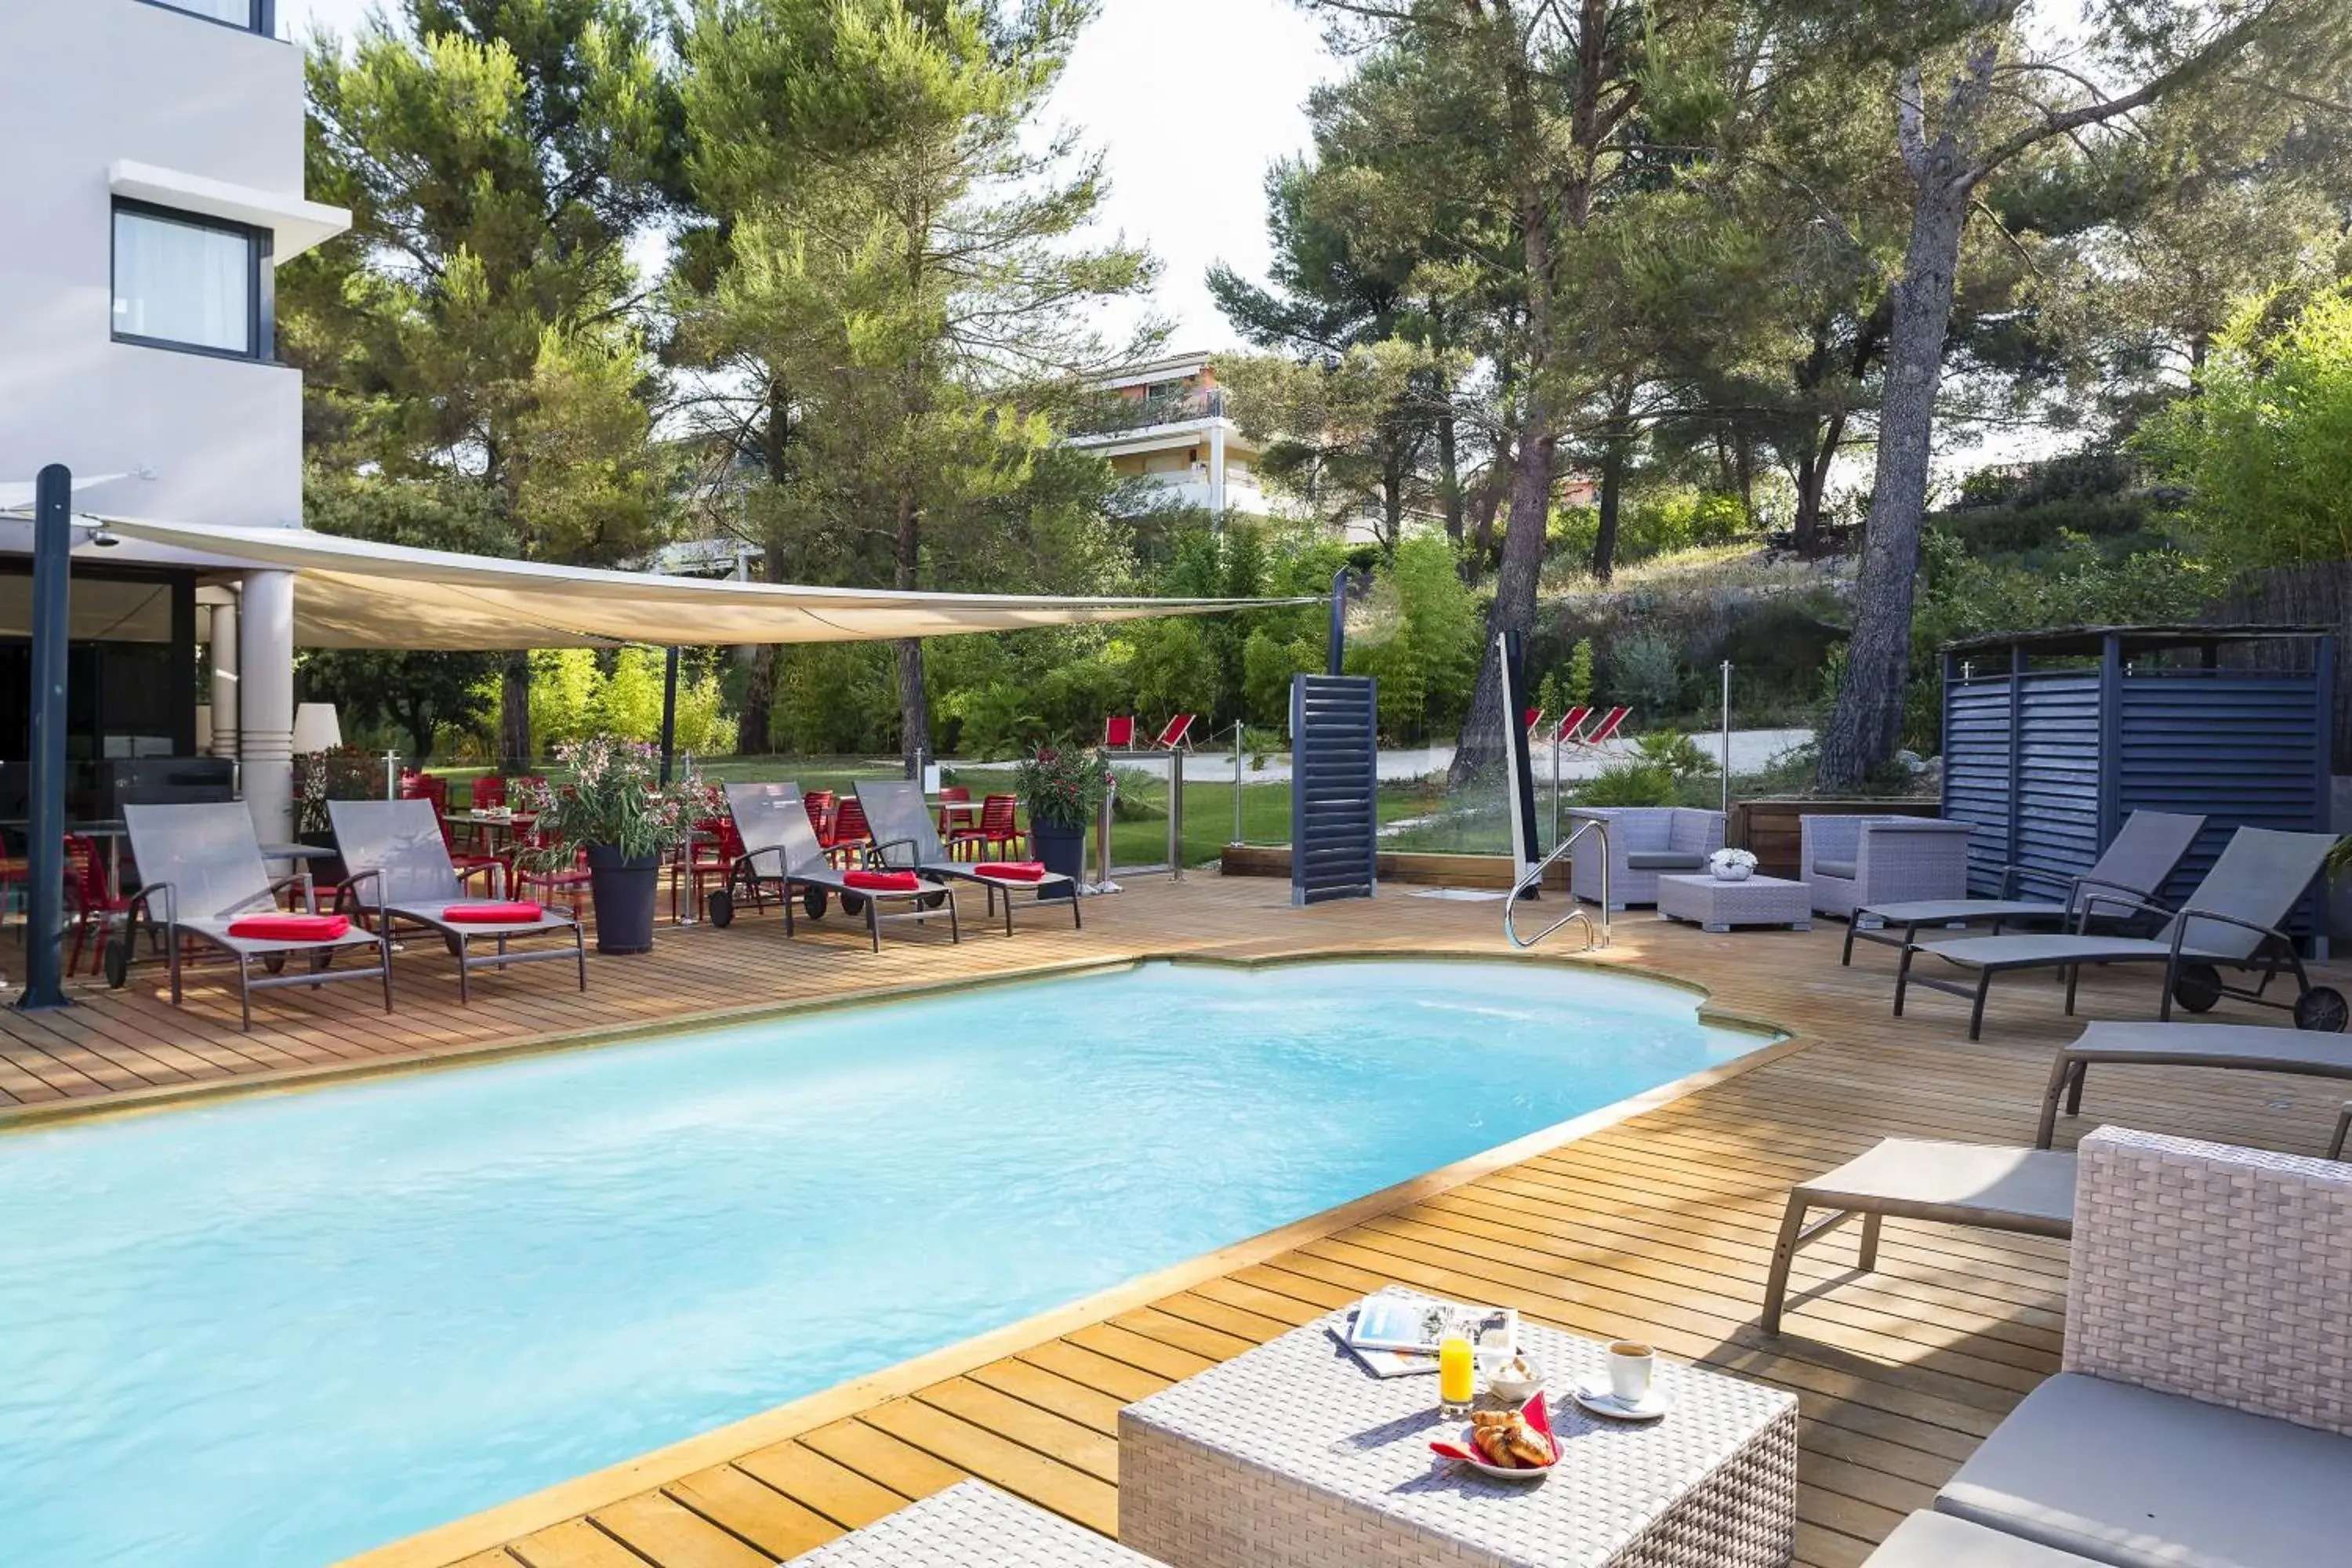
(1866, 724)
(1449, 479)
(1743, 468)
(1483, 731)
(914, 705)
(514, 715)
(1617, 448)
(1814, 463)
(755, 723)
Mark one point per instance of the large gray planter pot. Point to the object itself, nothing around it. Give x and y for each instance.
(1064, 850)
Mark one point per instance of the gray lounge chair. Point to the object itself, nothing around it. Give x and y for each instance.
(780, 847)
(904, 840)
(2232, 922)
(1928, 1539)
(201, 872)
(2147, 850)
(2029, 1191)
(2228, 1046)
(401, 873)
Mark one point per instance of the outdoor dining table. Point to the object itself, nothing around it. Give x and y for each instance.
(1294, 1456)
(486, 823)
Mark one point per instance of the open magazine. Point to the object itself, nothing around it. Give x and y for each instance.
(1395, 1334)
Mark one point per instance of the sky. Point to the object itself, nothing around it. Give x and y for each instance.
(1189, 102)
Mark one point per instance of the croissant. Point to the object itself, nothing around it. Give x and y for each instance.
(1494, 1418)
(1528, 1447)
(1495, 1445)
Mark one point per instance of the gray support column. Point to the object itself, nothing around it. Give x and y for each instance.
(266, 702)
(225, 665)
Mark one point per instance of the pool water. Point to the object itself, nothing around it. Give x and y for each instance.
(278, 1330)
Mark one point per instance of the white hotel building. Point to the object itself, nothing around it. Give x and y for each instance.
(152, 180)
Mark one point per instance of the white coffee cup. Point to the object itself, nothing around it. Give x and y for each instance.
(1630, 1366)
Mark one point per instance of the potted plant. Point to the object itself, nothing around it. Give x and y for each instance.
(615, 808)
(1732, 865)
(1062, 788)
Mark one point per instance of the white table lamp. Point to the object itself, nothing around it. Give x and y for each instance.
(315, 728)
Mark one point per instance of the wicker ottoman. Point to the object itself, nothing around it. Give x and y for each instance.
(1713, 904)
(970, 1525)
(1292, 1456)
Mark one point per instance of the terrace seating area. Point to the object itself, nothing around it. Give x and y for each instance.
(1661, 1225)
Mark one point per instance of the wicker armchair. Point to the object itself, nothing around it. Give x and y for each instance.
(1852, 862)
(1644, 842)
(2204, 1411)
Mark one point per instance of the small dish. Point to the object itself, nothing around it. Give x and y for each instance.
(1538, 1421)
(1515, 1390)
(1601, 1402)
(1515, 1473)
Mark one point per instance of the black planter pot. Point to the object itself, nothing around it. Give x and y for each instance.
(624, 888)
(1064, 850)
(326, 873)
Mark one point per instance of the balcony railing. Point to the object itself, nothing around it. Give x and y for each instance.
(1118, 415)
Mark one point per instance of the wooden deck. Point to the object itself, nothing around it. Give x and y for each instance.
(1658, 1226)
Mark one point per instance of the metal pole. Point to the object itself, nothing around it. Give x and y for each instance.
(669, 712)
(392, 775)
(1336, 651)
(1176, 814)
(1237, 780)
(45, 849)
(1727, 738)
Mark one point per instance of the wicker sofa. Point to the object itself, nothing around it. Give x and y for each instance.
(1852, 862)
(2204, 1412)
(1644, 841)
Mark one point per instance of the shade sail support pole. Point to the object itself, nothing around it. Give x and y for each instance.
(669, 712)
(44, 846)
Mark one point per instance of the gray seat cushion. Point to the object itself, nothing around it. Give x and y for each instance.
(1835, 868)
(1664, 861)
(1939, 1540)
(2138, 1480)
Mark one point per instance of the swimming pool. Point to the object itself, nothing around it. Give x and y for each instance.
(271, 1331)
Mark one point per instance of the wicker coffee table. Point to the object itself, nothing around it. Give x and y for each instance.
(1710, 902)
(1292, 1456)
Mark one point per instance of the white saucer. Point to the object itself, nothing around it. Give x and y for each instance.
(1601, 1403)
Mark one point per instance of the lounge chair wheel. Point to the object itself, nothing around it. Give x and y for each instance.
(2322, 1008)
(2198, 988)
(852, 905)
(932, 900)
(117, 964)
(325, 957)
(275, 963)
(814, 900)
(722, 909)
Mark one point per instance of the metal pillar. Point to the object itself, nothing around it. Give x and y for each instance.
(1726, 740)
(669, 712)
(1336, 659)
(45, 846)
(1176, 814)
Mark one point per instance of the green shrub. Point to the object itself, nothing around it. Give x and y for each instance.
(1675, 752)
(1645, 670)
(1634, 782)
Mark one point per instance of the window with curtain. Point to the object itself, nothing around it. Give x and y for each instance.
(245, 13)
(185, 280)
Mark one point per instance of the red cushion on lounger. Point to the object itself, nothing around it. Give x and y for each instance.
(1012, 871)
(290, 927)
(491, 914)
(884, 881)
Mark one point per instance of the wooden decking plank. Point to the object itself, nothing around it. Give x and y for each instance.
(662, 1532)
(751, 1510)
(1002, 1461)
(575, 1543)
(819, 1484)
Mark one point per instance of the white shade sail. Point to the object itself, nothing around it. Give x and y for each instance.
(353, 592)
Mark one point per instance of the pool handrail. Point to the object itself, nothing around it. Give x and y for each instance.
(1596, 932)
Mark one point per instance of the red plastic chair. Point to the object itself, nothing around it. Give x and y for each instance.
(490, 790)
(957, 814)
(521, 879)
(92, 901)
(819, 803)
(1118, 734)
(710, 860)
(845, 845)
(1000, 829)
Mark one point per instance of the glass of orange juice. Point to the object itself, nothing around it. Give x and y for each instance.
(1457, 1377)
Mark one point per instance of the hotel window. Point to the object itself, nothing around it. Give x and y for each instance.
(252, 16)
(191, 282)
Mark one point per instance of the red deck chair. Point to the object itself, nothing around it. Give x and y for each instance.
(1176, 735)
(1606, 730)
(92, 903)
(1571, 722)
(1529, 718)
(1000, 830)
(1118, 733)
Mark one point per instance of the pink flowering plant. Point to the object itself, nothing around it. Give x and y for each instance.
(1062, 786)
(615, 797)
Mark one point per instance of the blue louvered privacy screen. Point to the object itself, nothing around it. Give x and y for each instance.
(1334, 778)
(2233, 722)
